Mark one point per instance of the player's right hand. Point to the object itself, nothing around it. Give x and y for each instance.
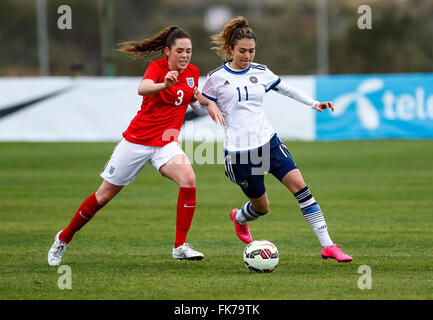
(215, 113)
(170, 78)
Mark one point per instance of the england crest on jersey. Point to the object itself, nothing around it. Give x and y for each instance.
(190, 82)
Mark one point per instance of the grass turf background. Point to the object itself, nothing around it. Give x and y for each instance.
(377, 197)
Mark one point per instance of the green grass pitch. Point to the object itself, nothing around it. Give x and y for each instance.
(377, 197)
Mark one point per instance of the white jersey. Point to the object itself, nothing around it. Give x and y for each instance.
(239, 95)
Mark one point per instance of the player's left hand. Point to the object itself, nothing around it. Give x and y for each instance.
(196, 95)
(324, 105)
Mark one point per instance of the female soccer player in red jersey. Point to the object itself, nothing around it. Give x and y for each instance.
(168, 87)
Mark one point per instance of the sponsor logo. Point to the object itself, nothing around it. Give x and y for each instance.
(243, 183)
(365, 109)
(5, 111)
(388, 106)
(403, 107)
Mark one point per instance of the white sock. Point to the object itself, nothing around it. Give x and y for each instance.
(240, 217)
(247, 213)
(314, 216)
(321, 231)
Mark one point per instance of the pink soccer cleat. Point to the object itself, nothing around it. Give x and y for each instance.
(334, 252)
(242, 230)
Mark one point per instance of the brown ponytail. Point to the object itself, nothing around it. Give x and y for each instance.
(233, 31)
(165, 38)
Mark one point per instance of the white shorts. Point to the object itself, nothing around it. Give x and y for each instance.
(128, 159)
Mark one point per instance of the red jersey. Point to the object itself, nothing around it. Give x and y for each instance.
(161, 116)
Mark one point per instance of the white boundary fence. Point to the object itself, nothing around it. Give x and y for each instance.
(100, 109)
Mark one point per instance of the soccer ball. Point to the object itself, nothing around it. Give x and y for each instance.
(261, 256)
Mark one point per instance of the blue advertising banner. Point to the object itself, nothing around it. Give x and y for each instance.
(375, 106)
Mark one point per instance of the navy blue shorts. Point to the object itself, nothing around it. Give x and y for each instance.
(248, 168)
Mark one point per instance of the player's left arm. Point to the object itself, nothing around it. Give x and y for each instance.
(300, 96)
(324, 105)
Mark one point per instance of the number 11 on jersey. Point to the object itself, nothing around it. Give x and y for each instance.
(239, 93)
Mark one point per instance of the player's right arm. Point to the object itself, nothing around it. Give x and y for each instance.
(203, 106)
(148, 86)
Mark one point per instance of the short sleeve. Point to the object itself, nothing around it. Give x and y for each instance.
(153, 72)
(209, 90)
(270, 80)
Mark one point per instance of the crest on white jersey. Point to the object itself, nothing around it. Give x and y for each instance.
(253, 79)
(190, 82)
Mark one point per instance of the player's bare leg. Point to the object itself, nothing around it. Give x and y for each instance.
(294, 181)
(179, 170)
(106, 192)
(261, 204)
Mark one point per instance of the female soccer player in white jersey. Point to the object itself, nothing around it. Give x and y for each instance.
(252, 147)
(168, 87)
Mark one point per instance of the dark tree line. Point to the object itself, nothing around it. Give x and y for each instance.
(401, 38)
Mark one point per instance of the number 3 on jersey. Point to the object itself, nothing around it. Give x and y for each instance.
(179, 97)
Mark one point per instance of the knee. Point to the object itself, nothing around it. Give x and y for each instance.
(104, 195)
(298, 187)
(294, 181)
(187, 180)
